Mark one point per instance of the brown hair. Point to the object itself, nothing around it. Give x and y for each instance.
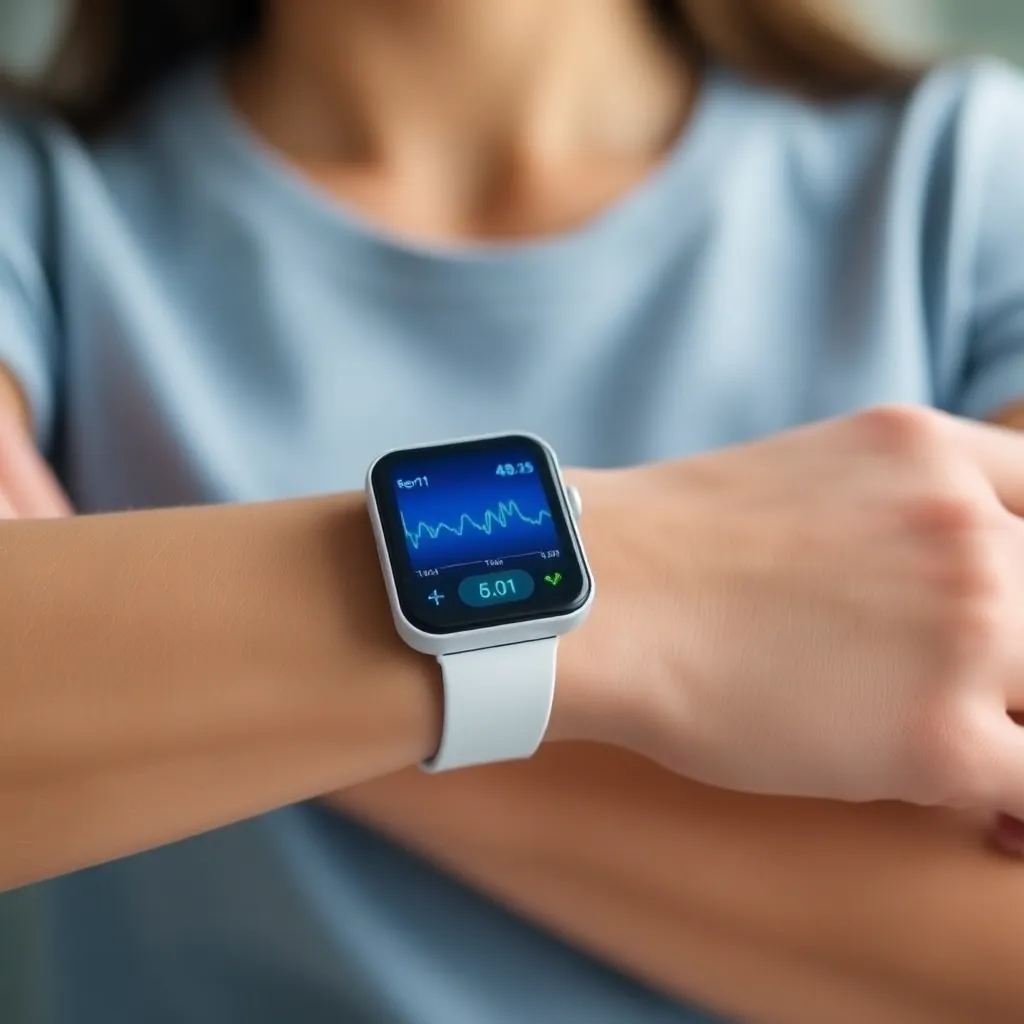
(116, 51)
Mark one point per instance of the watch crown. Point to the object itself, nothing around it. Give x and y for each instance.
(575, 501)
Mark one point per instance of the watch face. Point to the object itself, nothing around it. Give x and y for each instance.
(478, 534)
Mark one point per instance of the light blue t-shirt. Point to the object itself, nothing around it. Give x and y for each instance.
(195, 323)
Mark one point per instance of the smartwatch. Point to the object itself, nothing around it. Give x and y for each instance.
(485, 570)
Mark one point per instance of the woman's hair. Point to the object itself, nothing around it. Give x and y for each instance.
(116, 51)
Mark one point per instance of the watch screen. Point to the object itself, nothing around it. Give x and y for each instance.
(478, 534)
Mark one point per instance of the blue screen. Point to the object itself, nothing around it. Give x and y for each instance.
(477, 535)
(469, 508)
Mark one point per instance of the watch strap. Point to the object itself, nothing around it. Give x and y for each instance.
(497, 702)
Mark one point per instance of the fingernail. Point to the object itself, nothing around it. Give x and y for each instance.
(1009, 835)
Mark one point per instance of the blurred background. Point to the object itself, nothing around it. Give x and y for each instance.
(928, 26)
(919, 27)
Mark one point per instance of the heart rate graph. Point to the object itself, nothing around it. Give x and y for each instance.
(458, 520)
(503, 531)
(507, 511)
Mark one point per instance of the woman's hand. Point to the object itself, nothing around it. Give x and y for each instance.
(28, 489)
(835, 612)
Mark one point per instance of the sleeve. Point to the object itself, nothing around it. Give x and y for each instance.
(991, 147)
(28, 321)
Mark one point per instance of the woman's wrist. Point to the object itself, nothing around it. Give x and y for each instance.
(577, 712)
(600, 696)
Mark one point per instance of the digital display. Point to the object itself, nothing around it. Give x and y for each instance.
(478, 535)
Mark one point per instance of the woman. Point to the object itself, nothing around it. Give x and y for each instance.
(288, 236)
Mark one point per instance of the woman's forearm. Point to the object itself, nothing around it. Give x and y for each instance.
(768, 910)
(168, 672)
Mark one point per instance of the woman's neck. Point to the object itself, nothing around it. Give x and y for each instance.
(460, 103)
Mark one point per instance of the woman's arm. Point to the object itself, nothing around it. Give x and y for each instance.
(766, 910)
(827, 912)
(163, 673)
(169, 672)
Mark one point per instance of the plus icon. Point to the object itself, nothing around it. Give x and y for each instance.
(436, 598)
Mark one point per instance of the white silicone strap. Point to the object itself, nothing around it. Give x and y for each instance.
(497, 702)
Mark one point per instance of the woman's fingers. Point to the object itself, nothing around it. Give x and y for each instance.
(29, 487)
(6, 508)
(999, 453)
(1005, 742)
(1008, 831)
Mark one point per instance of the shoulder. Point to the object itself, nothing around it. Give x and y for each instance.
(36, 151)
(984, 98)
(52, 183)
(965, 122)
(919, 172)
(954, 127)
(48, 170)
(978, 90)
(29, 147)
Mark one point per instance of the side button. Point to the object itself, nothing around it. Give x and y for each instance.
(575, 501)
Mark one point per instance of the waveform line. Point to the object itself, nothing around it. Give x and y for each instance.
(506, 511)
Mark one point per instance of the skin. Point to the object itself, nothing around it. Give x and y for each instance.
(200, 713)
(571, 104)
(826, 911)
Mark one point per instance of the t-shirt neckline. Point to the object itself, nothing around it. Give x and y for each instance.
(631, 230)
